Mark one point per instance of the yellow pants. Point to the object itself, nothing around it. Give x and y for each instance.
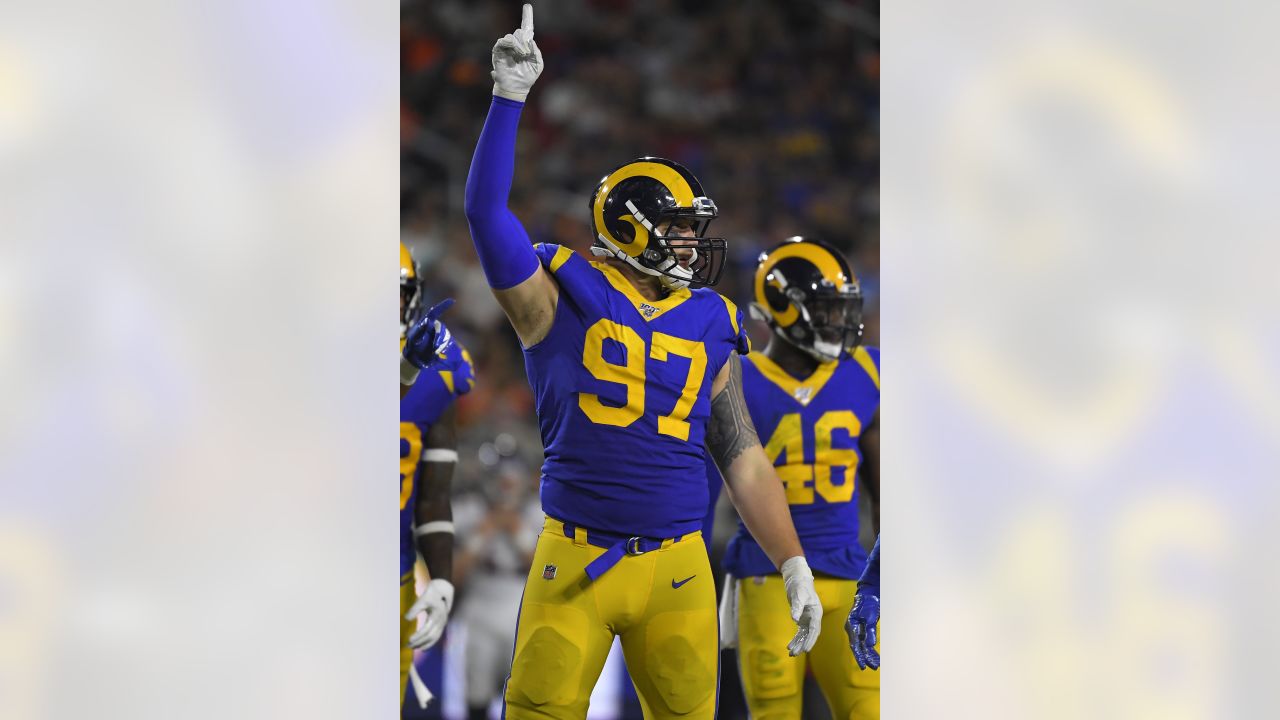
(662, 605)
(773, 681)
(407, 598)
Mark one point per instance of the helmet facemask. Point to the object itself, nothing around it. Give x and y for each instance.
(830, 323)
(409, 304)
(410, 291)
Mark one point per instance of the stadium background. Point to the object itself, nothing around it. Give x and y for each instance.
(775, 106)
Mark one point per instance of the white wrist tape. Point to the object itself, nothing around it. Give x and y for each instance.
(796, 567)
(435, 526)
(408, 372)
(518, 97)
(441, 455)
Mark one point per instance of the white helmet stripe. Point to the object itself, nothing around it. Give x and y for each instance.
(639, 216)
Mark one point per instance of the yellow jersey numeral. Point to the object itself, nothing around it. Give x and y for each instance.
(409, 462)
(674, 424)
(801, 479)
(631, 375)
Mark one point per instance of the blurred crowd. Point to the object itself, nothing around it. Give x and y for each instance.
(773, 105)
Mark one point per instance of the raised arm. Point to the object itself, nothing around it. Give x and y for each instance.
(757, 493)
(523, 288)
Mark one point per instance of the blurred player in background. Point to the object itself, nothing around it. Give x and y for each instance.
(864, 617)
(498, 527)
(814, 393)
(428, 452)
(633, 371)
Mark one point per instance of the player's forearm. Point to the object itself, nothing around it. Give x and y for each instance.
(761, 502)
(435, 516)
(433, 511)
(752, 482)
(871, 574)
(506, 254)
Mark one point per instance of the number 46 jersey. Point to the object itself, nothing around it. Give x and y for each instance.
(810, 430)
(622, 386)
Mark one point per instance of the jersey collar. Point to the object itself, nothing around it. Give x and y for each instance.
(648, 309)
(804, 391)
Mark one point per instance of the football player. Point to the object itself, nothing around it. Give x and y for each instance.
(634, 367)
(428, 452)
(814, 393)
(865, 615)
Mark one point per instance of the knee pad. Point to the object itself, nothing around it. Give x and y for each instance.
(771, 674)
(548, 662)
(544, 664)
(682, 665)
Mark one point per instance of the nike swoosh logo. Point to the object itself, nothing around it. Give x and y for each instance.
(675, 584)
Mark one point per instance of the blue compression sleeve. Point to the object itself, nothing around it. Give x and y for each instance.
(871, 575)
(501, 241)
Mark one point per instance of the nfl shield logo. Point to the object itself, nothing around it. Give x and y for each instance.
(648, 309)
(549, 572)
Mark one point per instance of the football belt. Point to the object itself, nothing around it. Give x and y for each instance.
(617, 546)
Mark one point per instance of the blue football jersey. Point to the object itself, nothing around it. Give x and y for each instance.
(623, 392)
(436, 387)
(810, 430)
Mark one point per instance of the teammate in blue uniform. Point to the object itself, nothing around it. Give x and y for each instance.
(865, 614)
(814, 395)
(634, 367)
(440, 371)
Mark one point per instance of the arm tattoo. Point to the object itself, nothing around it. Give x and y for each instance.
(730, 431)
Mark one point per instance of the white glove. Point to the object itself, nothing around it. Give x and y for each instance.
(729, 613)
(436, 601)
(806, 608)
(517, 61)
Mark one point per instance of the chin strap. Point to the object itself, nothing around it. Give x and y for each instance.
(610, 250)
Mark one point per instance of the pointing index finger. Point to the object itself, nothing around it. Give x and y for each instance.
(526, 19)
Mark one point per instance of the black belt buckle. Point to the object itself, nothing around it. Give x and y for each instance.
(633, 545)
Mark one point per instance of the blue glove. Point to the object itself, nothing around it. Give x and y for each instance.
(428, 338)
(861, 627)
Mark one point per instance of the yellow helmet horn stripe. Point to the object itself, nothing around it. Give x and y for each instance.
(784, 318)
(664, 174)
(640, 239)
(406, 263)
(816, 254)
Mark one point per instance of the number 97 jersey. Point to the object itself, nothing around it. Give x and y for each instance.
(622, 386)
(810, 430)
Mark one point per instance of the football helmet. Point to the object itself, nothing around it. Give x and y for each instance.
(634, 199)
(806, 292)
(410, 290)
